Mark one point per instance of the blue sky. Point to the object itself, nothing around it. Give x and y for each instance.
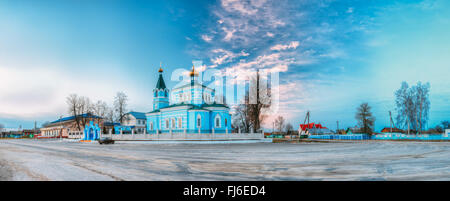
(331, 55)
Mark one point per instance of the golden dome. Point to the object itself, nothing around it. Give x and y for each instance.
(193, 72)
(160, 70)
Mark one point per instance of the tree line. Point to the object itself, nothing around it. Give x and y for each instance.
(412, 105)
(79, 105)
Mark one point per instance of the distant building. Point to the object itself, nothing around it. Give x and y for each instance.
(136, 121)
(354, 130)
(313, 128)
(62, 127)
(394, 130)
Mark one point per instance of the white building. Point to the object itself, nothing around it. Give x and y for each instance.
(136, 121)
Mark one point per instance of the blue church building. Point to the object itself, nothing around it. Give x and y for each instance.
(192, 109)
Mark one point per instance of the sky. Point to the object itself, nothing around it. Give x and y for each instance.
(331, 55)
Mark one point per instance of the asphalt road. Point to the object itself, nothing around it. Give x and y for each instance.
(56, 160)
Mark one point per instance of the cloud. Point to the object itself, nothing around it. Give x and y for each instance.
(239, 21)
(226, 56)
(242, 7)
(206, 38)
(41, 91)
(292, 45)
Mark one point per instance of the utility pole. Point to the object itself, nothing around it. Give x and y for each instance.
(60, 131)
(337, 129)
(390, 120)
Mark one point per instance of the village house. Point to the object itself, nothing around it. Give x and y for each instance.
(394, 130)
(68, 125)
(136, 121)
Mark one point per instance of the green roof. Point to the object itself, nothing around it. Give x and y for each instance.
(160, 84)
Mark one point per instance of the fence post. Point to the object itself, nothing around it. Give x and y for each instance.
(185, 136)
(212, 133)
(121, 134)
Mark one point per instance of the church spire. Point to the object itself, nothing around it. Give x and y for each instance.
(160, 84)
(193, 72)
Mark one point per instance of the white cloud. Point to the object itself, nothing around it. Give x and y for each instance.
(41, 91)
(292, 45)
(228, 33)
(206, 38)
(241, 7)
(226, 56)
(240, 21)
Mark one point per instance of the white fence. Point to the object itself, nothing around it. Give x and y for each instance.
(177, 136)
(188, 136)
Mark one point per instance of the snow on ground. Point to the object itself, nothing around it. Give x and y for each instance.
(370, 160)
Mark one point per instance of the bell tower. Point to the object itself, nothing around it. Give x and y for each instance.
(160, 93)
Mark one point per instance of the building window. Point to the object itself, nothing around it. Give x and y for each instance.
(173, 123)
(199, 121)
(167, 123)
(226, 123)
(217, 121)
(180, 121)
(151, 125)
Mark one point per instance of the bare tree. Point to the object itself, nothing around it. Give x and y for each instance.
(289, 128)
(279, 123)
(445, 124)
(110, 114)
(422, 102)
(412, 106)
(258, 99)
(241, 119)
(85, 108)
(79, 105)
(73, 103)
(120, 105)
(365, 118)
(100, 108)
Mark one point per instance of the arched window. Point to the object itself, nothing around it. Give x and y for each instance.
(167, 123)
(180, 122)
(226, 122)
(217, 121)
(199, 121)
(173, 123)
(151, 125)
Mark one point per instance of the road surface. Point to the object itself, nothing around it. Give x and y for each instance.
(375, 160)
